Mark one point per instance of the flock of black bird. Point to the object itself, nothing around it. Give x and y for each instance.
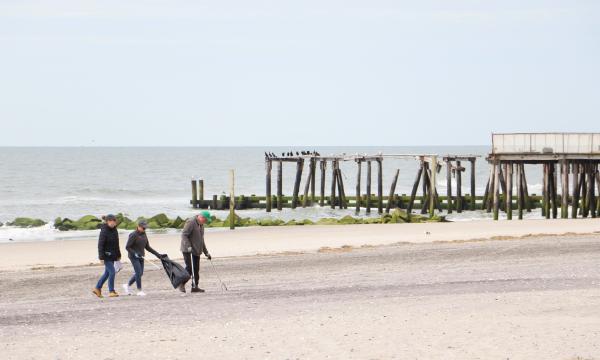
(291, 153)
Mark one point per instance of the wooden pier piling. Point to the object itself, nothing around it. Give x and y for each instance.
(268, 165)
(279, 185)
(392, 191)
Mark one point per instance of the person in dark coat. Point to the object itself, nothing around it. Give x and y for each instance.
(108, 252)
(192, 245)
(136, 246)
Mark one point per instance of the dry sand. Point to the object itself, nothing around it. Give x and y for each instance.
(527, 298)
(281, 239)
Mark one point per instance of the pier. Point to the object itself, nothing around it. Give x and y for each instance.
(563, 157)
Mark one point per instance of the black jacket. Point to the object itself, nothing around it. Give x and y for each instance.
(108, 244)
(137, 243)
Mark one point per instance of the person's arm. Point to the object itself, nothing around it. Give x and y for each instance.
(130, 242)
(152, 251)
(101, 241)
(204, 249)
(118, 248)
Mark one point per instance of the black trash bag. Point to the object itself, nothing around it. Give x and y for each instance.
(176, 273)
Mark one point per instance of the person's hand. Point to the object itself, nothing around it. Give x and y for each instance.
(208, 257)
(162, 256)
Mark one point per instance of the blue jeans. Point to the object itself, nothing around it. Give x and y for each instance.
(138, 267)
(109, 273)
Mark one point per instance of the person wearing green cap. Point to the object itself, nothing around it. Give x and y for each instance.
(192, 245)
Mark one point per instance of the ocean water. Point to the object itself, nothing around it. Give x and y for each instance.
(71, 182)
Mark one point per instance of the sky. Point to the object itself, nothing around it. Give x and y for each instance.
(311, 72)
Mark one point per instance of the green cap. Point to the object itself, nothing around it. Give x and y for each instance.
(207, 216)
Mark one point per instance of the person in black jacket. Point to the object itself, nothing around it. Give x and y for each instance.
(136, 246)
(108, 253)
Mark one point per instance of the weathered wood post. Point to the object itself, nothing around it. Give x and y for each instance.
(459, 200)
(279, 185)
(592, 191)
(432, 187)
(584, 190)
(333, 183)
(545, 198)
(299, 167)
(268, 198)
(575, 198)
(519, 192)
(313, 170)
(368, 186)
(490, 198)
(215, 203)
(194, 194)
(200, 191)
(380, 185)
(392, 191)
(358, 175)
(525, 189)
(232, 201)
(307, 185)
(473, 199)
(425, 188)
(323, 165)
(553, 191)
(341, 190)
(496, 195)
(414, 190)
(564, 192)
(509, 188)
(449, 185)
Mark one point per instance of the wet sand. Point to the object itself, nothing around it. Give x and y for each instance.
(528, 298)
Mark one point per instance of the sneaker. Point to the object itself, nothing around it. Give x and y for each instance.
(141, 293)
(126, 289)
(113, 294)
(197, 290)
(182, 288)
(97, 292)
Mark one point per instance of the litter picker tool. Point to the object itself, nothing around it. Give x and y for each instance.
(223, 286)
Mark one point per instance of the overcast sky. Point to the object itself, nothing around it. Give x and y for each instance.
(322, 72)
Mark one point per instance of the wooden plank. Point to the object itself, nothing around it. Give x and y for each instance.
(392, 191)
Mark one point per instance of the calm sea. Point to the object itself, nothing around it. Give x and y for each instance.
(71, 182)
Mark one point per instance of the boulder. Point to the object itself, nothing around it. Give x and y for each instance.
(178, 223)
(88, 222)
(347, 220)
(327, 221)
(24, 222)
(161, 220)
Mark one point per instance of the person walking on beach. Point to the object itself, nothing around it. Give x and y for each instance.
(136, 246)
(108, 252)
(192, 245)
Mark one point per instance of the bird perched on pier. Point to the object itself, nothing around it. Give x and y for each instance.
(266, 155)
(297, 153)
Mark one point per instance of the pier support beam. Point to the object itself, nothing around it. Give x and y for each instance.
(496, 187)
(519, 180)
(194, 194)
(432, 187)
(358, 176)
(323, 166)
(268, 198)
(333, 184)
(509, 190)
(449, 185)
(380, 186)
(473, 195)
(368, 187)
(414, 190)
(392, 191)
(459, 200)
(279, 185)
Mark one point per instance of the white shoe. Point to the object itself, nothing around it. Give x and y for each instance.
(141, 293)
(126, 289)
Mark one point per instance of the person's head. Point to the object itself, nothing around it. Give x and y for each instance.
(111, 220)
(204, 217)
(141, 226)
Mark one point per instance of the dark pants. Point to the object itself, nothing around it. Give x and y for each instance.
(138, 267)
(109, 274)
(188, 258)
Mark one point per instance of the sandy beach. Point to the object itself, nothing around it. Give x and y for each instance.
(393, 292)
